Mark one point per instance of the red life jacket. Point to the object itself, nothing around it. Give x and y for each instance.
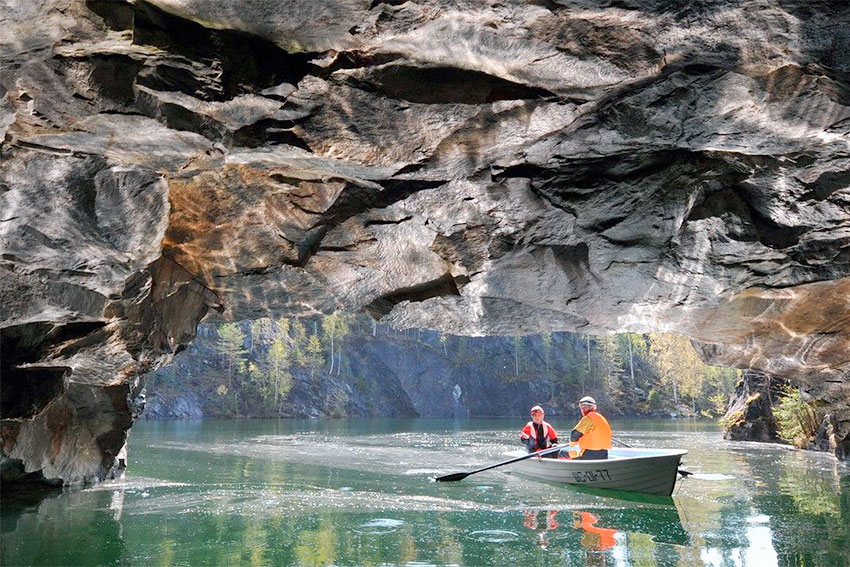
(549, 434)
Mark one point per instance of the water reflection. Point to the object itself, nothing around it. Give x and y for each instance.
(239, 498)
(68, 528)
(541, 521)
(594, 538)
(610, 535)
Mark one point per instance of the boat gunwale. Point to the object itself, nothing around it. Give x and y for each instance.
(667, 454)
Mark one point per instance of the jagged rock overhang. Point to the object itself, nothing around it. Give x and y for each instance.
(569, 168)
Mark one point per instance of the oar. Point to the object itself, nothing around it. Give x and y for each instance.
(682, 472)
(462, 475)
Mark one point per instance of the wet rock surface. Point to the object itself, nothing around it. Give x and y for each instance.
(479, 169)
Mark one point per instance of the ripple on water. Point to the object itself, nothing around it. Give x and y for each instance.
(379, 526)
(712, 476)
(494, 536)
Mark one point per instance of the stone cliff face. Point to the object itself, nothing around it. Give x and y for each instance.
(476, 168)
(390, 373)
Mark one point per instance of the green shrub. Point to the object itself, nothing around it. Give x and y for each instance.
(719, 403)
(797, 421)
(654, 400)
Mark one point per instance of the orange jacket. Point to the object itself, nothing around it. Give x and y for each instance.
(595, 430)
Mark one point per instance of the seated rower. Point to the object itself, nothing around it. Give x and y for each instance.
(591, 437)
(538, 434)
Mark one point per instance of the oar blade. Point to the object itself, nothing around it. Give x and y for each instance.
(452, 477)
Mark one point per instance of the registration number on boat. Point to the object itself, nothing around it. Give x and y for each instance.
(591, 476)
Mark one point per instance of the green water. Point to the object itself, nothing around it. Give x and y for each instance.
(359, 492)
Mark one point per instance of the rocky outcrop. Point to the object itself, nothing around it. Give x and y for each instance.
(749, 417)
(833, 434)
(480, 169)
(186, 406)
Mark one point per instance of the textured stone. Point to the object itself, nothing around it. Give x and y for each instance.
(475, 168)
(750, 417)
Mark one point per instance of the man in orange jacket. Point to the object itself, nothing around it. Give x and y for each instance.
(592, 434)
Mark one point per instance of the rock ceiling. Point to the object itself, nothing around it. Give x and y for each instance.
(480, 168)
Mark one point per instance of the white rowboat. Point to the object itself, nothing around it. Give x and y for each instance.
(650, 471)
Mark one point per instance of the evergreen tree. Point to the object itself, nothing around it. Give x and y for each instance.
(611, 367)
(283, 328)
(231, 343)
(636, 348)
(261, 329)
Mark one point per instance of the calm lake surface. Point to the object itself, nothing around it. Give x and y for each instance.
(360, 492)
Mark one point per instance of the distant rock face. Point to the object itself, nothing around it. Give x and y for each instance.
(750, 417)
(478, 168)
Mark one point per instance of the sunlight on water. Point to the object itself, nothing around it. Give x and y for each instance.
(494, 536)
(712, 476)
(357, 492)
(379, 526)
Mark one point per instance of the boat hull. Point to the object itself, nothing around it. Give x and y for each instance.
(649, 471)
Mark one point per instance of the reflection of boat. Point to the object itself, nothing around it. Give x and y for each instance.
(652, 471)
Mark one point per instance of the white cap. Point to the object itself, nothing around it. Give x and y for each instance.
(536, 408)
(587, 400)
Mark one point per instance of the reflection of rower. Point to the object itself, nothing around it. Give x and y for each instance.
(594, 538)
(541, 525)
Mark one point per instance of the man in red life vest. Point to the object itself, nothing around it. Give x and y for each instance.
(591, 436)
(538, 434)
